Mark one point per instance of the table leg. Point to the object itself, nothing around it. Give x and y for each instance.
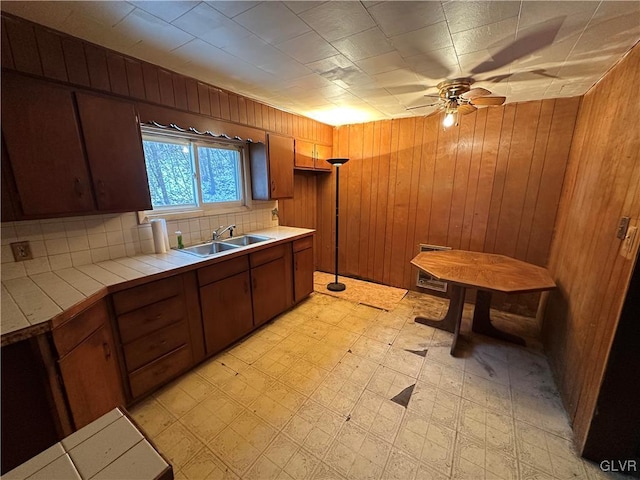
(453, 317)
(482, 321)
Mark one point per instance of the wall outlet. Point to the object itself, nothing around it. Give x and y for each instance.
(21, 251)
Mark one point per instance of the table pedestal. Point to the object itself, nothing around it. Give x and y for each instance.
(453, 317)
(482, 321)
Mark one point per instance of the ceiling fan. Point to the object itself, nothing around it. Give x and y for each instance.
(456, 97)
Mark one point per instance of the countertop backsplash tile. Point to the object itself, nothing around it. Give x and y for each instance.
(62, 243)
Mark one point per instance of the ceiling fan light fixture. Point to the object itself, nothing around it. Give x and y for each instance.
(450, 119)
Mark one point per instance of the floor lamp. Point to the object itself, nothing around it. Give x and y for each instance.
(337, 162)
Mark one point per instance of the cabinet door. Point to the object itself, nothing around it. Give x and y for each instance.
(269, 293)
(7, 201)
(44, 147)
(91, 377)
(226, 311)
(114, 149)
(280, 166)
(305, 154)
(302, 274)
(323, 152)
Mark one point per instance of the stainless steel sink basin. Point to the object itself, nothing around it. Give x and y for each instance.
(245, 240)
(207, 249)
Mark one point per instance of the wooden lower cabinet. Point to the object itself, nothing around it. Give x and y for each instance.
(91, 377)
(227, 314)
(269, 290)
(88, 363)
(303, 268)
(160, 331)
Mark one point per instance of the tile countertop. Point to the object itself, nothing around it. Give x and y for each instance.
(108, 448)
(34, 304)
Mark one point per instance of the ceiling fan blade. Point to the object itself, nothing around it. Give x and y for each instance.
(475, 93)
(433, 96)
(424, 106)
(483, 101)
(466, 109)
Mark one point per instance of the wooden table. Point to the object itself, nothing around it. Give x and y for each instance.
(487, 273)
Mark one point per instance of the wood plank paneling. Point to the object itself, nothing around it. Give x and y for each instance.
(7, 56)
(601, 186)
(135, 79)
(225, 112)
(151, 84)
(97, 66)
(179, 91)
(475, 186)
(193, 104)
(24, 46)
(214, 101)
(76, 61)
(117, 74)
(50, 48)
(234, 114)
(203, 98)
(165, 83)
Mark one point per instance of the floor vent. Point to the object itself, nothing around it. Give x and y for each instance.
(425, 280)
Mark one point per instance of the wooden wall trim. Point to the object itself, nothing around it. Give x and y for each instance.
(37, 50)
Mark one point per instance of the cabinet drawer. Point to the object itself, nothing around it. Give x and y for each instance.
(146, 294)
(143, 321)
(142, 351)
(163, 369)
(221, 270)
(70, 334)
(302, 243)
(268, 255)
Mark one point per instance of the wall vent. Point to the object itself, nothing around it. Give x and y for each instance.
(425, 280)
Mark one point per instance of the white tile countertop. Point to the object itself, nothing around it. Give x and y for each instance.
(108, 448)
(29, 303)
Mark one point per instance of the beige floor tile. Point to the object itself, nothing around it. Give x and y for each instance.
(178, 444)
(444, 378)
(281, 450)
(325, 472)
(202, 423)
(234, 450)
(175, 399)
(301, 465)
(195, 386)
(263, 469)
(400, 466)
(152, 416)
(206, 465)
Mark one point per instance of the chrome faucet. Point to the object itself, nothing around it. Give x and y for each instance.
(217, 233)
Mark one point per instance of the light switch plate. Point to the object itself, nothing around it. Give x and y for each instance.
(627, 248)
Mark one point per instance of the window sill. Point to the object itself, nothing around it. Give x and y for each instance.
(147, 216)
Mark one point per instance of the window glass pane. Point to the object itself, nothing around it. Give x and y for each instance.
(220, 178)
(170, 172)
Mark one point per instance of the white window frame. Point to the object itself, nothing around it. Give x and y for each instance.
(185, 212)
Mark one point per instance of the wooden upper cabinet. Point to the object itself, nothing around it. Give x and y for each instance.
(114, 151)
(272, 168)
(311, 156)
(44, 146)
(323, 152)
(305, 154)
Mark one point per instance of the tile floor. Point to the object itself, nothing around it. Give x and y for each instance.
(337, 390)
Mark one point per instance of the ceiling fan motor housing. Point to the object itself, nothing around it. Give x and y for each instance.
(453, 89)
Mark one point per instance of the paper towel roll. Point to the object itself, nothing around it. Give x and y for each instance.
(165, 234)
(158, 236)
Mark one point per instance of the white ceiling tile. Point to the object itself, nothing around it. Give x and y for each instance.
(382, 63)
(303, 6)
(211, 26)
(231, 9)
(441, 63)
(468, 15)
(145, 25)
(574, 15)
(485, 37)
(167, 11)
(82, 26)
(427, 39)
(307, 48)
(364, 44)
(400, 77)
(395, 18)
(331, 63)
(104, 12)
(609, 34)
(273, 22)
(335, 20)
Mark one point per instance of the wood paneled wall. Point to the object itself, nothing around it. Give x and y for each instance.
(37, 50)
(490, 184)
(602, 185)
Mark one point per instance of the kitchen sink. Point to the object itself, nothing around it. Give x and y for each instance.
(207, 249)
(245, 240)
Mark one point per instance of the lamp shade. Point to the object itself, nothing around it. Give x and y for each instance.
(337, 161)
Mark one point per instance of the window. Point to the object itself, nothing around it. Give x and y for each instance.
(189, 175)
